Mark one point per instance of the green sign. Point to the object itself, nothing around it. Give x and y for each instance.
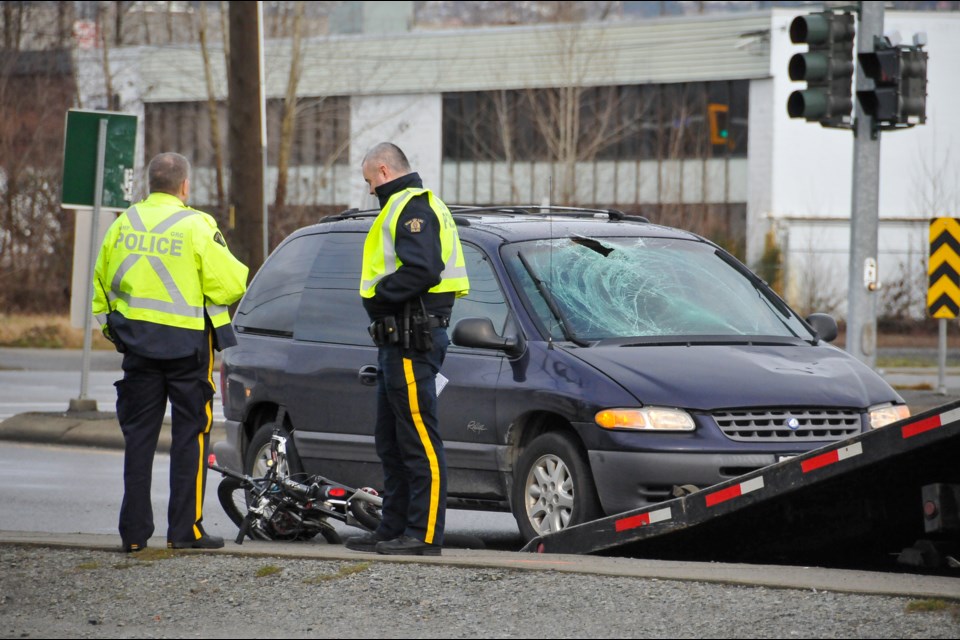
(80, 159)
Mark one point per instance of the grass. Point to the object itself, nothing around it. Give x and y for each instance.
(268, 570)
(920, 386)
(151, 554)
(934, 605)
(44, 331)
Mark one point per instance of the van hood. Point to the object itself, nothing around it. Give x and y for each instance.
(707, 377)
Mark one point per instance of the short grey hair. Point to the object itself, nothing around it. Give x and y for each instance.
(390, 155)
(167, 171)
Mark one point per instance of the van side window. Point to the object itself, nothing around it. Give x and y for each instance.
(270, 304)
(485, 299)
(332, 310)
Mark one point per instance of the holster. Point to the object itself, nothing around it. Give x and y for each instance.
(411, 330)
(384, 331)
(421, 338)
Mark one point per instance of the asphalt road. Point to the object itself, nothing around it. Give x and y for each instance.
(47, 380)
(59, 489)
(65, 524)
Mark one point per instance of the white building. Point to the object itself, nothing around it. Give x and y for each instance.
(787, 176)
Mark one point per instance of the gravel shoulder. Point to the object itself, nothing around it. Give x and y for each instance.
(88, 593)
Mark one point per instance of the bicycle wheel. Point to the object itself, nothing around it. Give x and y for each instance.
(330, 534)
(367, 514)
(233, 499)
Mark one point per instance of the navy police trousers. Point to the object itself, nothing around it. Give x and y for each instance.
(142, 397)
(408, 442)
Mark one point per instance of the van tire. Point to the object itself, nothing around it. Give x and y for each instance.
(553, 487)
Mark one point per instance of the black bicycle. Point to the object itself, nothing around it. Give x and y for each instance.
(279, 507)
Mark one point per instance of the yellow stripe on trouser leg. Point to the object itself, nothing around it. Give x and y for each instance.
(208, 409)
(427, 446)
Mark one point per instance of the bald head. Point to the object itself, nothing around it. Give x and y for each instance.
(388, 154)
(167, 173)
(383, 163)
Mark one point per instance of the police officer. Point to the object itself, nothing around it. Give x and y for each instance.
(162, 283)
(413, 270)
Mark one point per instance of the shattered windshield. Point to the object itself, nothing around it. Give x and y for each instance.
(586, 289)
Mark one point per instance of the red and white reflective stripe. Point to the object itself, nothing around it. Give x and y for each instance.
(910, 430)
(735, 491)
(650, 517)
(826, 459)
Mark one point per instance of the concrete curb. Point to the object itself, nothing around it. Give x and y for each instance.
(837, 580)
(88, 429)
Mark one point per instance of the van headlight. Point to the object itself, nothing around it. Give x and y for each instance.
(884, 414)
(646, 419)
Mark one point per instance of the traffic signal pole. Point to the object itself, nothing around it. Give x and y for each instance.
(864, 283)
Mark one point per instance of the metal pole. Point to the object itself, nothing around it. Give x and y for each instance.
(942, 359)
(864, 216)
(83, 403)
(263, 133)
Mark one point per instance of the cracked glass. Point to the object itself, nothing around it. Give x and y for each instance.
(588, 289)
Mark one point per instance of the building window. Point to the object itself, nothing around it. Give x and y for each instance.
(321, 133)
(632, 122)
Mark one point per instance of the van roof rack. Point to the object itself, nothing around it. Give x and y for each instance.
(516, 210)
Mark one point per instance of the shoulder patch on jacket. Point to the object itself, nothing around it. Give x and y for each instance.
(414, 225)
(218, 238)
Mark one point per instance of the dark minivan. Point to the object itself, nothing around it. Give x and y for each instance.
(598, 364)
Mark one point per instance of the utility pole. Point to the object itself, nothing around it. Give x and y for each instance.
(864, 280)
(246, 135)
(891, 80)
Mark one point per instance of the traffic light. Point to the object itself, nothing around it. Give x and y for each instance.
(913, 86)
(899, 74)
(718, 116)
(827, 67)
(883, 67)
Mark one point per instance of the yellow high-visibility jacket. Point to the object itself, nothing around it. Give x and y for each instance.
(380, 256)
(165, 268)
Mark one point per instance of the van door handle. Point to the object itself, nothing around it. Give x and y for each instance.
(368, 374)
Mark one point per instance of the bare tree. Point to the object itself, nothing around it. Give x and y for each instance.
(212, 108)
(225, 30)
(558, 114)
(12, 25)
(289, 106)
(36, 88)
(105, 47)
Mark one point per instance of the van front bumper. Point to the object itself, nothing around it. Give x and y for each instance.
(628, 480)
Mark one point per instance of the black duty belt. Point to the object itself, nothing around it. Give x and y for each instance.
(391, 331)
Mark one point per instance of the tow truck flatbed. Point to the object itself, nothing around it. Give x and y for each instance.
(855, 502)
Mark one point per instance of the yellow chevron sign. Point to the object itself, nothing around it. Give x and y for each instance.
(943, 292)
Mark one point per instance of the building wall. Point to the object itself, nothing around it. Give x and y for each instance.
(624, 183)
(411, 121)
(795, 181)
(759, 179)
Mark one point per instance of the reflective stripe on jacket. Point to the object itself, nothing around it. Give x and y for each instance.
(379, 249)
(168, 264)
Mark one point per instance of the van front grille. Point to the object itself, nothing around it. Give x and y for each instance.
(788, 425)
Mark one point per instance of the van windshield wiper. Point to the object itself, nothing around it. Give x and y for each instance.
(765, 293)
(551, 302)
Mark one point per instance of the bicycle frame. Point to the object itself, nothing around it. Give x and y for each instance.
(306, 505)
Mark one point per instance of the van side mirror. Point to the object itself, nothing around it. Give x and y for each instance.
(479, 333)
(824, 325)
